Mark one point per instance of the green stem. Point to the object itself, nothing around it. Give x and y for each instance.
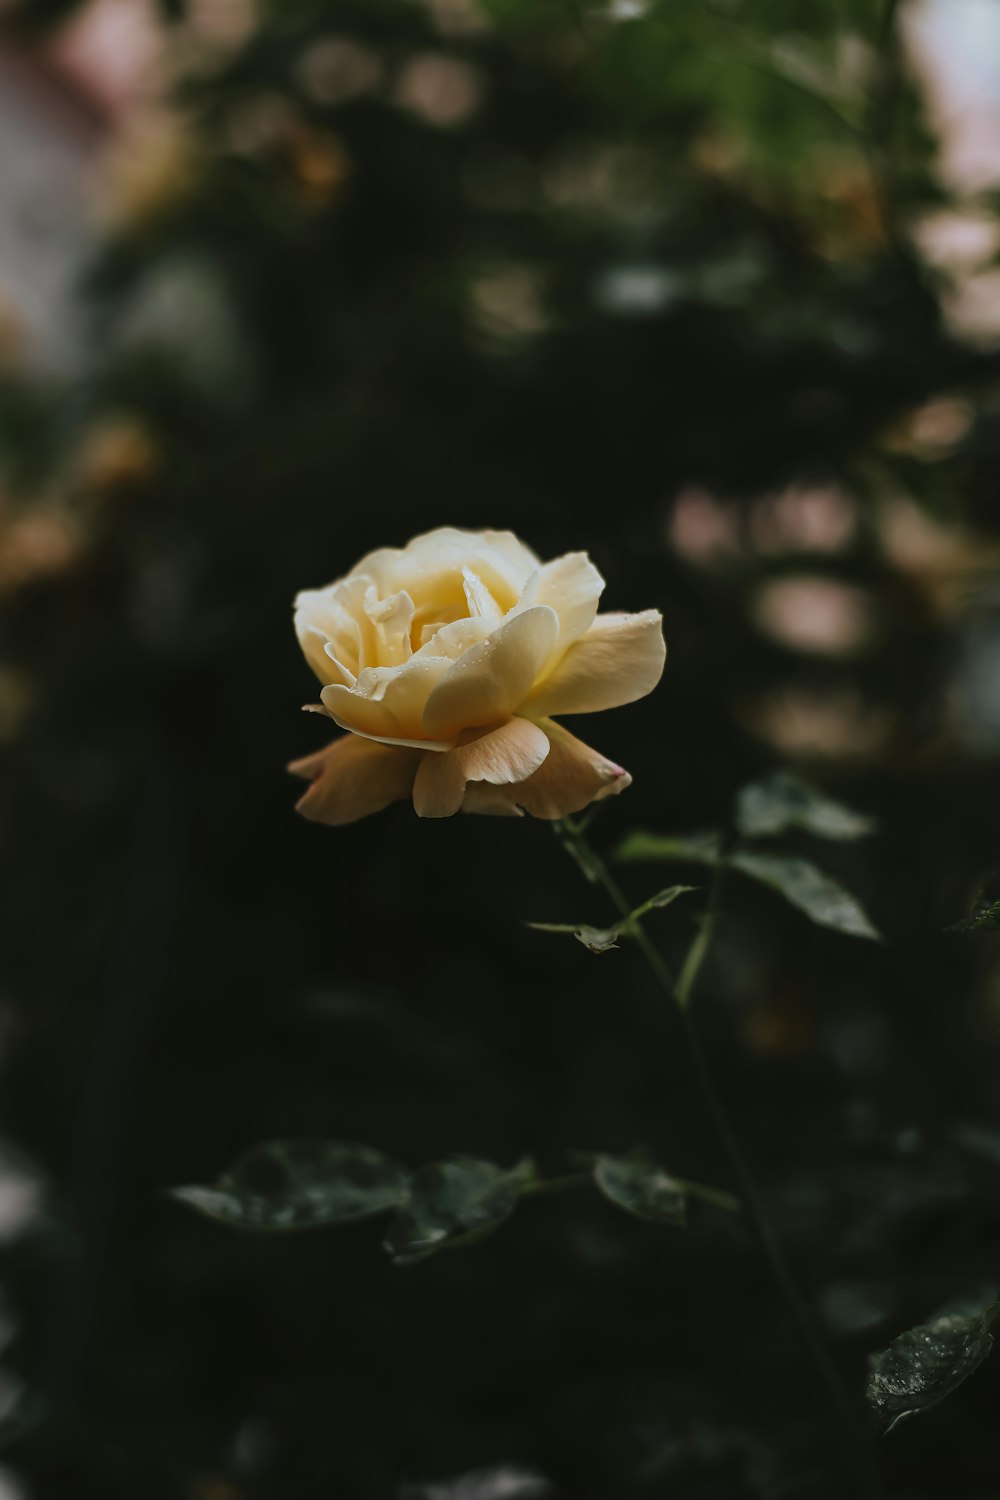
(679, 992)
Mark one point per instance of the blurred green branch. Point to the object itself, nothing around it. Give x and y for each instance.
(856, 1461)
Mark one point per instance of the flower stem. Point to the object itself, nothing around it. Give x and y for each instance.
(679, 992)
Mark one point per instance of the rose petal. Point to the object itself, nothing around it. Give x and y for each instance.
(392, 618)
(337, 614)
(353, 777)
(514, 550)
(387, 703)
(572, 586)
(494, 801)
(528, 597)
(455, 639)
(480, 601)
(430, 566)
(507, 754)
(315, 622)
(381, 566)
(492, 679)
(619, 660)
(343, 674)
(568, 780)
(321, 654)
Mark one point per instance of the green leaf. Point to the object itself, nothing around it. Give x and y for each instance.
(454, 1200)
(927, 1363)
(603, 939)
(663, 898)
(696, 848)
(597, 939)
(301, 1184)
(782, 801)
(814, 892)
(641, 1187)
(985, 914)
(799, 881)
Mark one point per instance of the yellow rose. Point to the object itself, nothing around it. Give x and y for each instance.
(446, 658)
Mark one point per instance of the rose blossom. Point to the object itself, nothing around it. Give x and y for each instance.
(446, 659)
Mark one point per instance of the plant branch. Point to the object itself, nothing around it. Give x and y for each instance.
(679, 992)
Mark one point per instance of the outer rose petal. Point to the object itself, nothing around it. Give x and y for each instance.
(338, 613)
(352, 778)
(495, 801)
(508, 754)
(572, 586)
(318, 620)
(388, 702)
(569, 779)
(619, 660)
(492, 679)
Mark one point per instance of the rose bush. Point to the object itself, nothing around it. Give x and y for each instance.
(446, 661)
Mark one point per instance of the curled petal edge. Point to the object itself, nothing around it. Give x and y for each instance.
(571, 777)
(352, 778)
(619, 660)
(504, 756)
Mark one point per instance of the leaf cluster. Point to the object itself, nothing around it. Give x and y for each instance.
(290, 1185)
(766, 809)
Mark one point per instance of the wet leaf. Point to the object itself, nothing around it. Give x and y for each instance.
(454, 1200)
(603, 939)
(985, 914)
(641, 1187)
(301, 1184)
(927, 1363)
(783, 802)
(822, 898)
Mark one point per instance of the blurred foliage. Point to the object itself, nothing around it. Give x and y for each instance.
(641, 279)
(985, 914)
(287, 1185)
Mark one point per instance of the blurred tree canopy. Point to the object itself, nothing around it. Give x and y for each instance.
(659, 280)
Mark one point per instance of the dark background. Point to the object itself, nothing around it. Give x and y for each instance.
(618, 282)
